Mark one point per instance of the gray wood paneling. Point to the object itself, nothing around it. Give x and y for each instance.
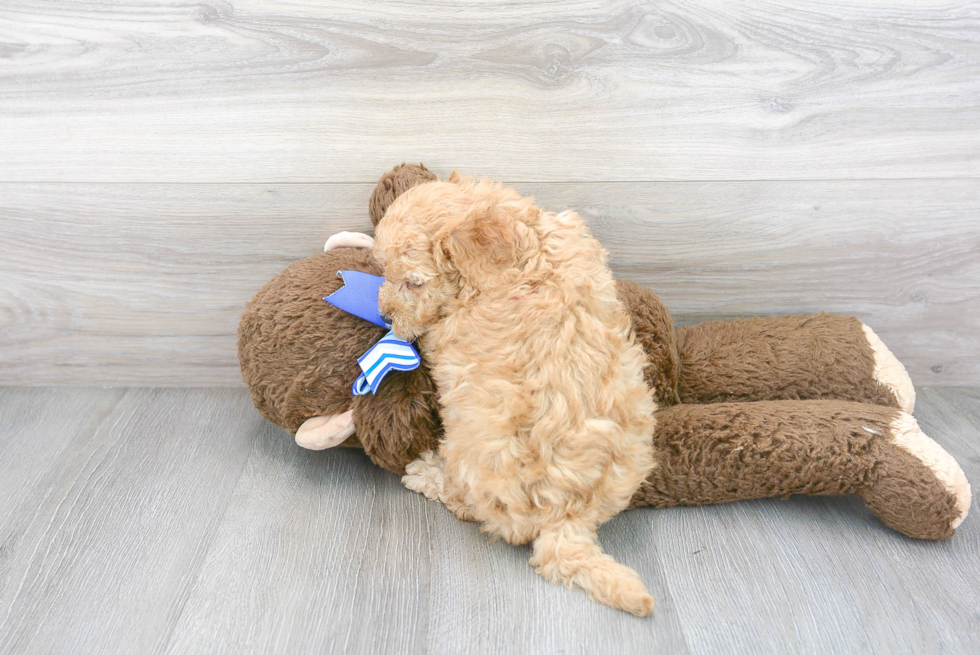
(143, 284)
(177, 521)
(298, 91)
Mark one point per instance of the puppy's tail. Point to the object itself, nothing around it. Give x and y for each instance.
(571, 554)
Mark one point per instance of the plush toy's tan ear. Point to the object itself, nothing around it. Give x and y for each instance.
(322, 432)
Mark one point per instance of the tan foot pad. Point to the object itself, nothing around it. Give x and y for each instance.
(907, 435)
(890, 373)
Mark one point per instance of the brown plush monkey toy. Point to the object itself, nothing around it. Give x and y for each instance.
(748, 408)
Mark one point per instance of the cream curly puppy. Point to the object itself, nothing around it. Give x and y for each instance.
(548, 421)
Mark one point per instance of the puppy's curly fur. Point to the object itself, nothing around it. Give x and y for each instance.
(548, 421)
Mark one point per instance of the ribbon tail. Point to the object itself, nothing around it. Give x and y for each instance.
(361, 386)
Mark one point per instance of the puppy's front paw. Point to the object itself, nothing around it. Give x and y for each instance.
(424, 476)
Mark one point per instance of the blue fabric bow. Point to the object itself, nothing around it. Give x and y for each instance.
(359, 296)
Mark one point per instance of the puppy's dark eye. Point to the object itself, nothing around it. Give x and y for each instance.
(412, 285)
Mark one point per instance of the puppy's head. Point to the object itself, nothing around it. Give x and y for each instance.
(441, 243)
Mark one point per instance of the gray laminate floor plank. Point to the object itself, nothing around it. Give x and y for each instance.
(36, 425)
(100, 556)
(176, 520)
(323, 552)
(318, 552)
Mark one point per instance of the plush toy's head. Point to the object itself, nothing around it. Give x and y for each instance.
(298, 356)
(290, 340)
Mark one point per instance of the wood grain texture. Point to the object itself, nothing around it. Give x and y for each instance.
(349, 561)
(101, 553)
(333, 90)
(143, 284)
(37, 428)
(176, 521)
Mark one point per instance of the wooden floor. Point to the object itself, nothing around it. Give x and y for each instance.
(178, 521)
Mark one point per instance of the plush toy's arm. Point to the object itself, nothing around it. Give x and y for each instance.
(824, 356)
(723, 452)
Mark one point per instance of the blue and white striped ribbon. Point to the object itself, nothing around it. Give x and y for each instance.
(389, 354)
(359, 296)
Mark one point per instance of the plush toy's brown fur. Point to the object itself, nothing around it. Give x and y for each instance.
(394, 183)
(290, 340)
(803, 411)
(720, 360)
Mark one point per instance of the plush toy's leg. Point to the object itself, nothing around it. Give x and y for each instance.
(348, 240)
(723, 452)
(322, 432)
(824, 356)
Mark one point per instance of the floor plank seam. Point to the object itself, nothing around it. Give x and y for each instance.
(164, 644)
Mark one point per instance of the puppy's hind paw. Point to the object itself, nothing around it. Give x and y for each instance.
(424, 476)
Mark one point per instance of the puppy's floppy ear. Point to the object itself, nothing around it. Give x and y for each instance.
(480, 245)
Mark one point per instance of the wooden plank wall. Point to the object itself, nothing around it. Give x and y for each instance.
(160, 160)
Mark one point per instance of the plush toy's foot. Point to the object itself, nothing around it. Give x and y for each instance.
(722, 452)
(348, 240)
(322, 432)
(890, 373)
(916, 487)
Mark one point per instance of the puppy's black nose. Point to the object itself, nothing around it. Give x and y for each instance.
(386, 319)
